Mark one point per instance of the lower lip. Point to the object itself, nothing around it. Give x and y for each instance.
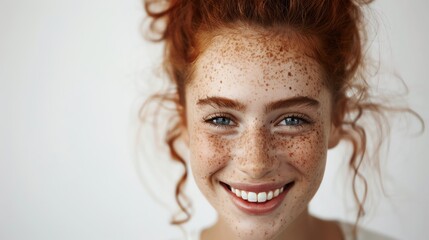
(258, 208)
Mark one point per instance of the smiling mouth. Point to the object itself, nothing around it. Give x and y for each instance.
(258, 197)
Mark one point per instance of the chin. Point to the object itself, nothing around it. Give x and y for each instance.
(258, 230)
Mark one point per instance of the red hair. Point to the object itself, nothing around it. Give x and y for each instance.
(333, 29)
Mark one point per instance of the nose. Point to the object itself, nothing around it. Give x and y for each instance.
(256, 157)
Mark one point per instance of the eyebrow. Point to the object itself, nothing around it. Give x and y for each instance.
(299, 101)
(221, 102)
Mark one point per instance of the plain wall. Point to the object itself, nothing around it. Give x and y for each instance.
(73, 75)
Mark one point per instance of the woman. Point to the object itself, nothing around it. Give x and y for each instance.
(263, 90)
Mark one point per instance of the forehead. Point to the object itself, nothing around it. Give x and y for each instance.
(262, 45)
(271, 63)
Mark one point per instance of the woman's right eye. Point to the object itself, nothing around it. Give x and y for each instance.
(220, 121)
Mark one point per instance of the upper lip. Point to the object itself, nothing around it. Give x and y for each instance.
(257, 187)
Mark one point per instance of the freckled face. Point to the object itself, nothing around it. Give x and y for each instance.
(258, 118)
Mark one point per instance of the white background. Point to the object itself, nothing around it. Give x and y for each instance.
(72, 77)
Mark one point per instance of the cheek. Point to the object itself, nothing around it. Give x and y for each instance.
(306, 153)
(209, 153)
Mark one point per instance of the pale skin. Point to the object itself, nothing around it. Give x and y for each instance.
(258, 112)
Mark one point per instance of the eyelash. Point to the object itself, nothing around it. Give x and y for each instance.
(213, 117)
(303, 120)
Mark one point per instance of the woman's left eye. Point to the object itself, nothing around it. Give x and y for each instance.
(292, 121)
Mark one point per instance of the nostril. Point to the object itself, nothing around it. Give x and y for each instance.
(257, 173)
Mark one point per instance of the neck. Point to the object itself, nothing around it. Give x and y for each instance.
(301, 229)
(305, 227)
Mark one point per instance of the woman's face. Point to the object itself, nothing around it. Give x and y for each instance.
(259, 126)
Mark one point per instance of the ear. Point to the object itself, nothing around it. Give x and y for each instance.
(334, 136)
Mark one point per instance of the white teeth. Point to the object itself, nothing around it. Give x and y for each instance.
(257, 197)
(244, 195)
(270, 195)
(276, 192)
(251, 197)
(262, 197)
(238, 193)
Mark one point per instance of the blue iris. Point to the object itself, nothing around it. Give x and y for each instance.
(221, 121)
(292, 121)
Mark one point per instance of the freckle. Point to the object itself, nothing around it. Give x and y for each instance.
(289, 74)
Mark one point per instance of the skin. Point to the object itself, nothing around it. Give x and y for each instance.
(235, 136)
